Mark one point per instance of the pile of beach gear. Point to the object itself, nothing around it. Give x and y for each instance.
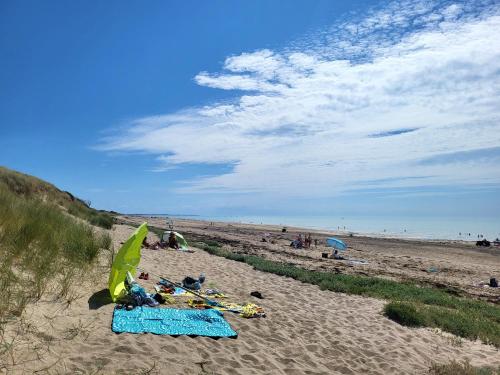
(138, 311)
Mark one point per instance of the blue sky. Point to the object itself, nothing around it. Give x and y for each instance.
(256, 107)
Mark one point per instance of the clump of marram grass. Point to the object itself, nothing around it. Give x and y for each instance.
(40, 245)
(97, 218)
(410, 304)
(461, 368)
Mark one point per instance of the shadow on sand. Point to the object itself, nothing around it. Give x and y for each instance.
(99, 299)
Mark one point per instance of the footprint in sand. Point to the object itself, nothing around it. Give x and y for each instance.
(170, 349)
(125, 349)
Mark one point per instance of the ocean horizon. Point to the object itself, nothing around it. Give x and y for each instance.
(435, 228)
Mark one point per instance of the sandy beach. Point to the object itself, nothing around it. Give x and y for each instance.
(306, 330)
(456, 264)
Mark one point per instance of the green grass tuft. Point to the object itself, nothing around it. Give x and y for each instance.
(404, 313)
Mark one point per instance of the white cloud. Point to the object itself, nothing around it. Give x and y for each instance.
(306, 121)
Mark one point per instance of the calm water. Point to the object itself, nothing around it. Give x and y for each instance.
(428, 228)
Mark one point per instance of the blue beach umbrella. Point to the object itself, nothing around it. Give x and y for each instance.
(336, 243)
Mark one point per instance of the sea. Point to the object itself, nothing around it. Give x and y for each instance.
(432, 228)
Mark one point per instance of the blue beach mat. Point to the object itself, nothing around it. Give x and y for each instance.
(174, 322)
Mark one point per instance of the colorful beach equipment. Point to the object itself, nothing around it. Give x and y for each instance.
(336, 243)
(126, 260)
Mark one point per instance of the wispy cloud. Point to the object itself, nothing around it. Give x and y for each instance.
(322, 114)
(392, 133)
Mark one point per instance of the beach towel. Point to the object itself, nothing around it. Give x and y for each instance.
(173, 322)
(248, 310)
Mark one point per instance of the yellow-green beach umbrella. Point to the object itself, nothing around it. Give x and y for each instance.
(127, 259)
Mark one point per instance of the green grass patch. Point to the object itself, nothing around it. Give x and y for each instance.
(461, 368)
(97, 218)
(29, 187)
(410, 304)
(40, 246)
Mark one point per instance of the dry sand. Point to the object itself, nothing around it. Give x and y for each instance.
(306, 331)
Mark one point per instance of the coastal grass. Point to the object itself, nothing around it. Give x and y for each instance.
(409, 304)
(461, 368)
(97, 218)
(41, 247)
(30, 187)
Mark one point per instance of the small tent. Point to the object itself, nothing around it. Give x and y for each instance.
(180, 239)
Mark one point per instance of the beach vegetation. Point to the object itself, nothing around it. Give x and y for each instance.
(410, 304)
(461, 368)
(42, 248)
(30, 187)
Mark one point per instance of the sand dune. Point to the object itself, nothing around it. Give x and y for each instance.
(306, 331)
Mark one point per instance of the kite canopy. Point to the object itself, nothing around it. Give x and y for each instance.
(180, 239)
(127, 259)
(336, 243)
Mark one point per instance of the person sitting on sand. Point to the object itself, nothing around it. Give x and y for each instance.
(172, 241)
(298, 243)
(337, 256)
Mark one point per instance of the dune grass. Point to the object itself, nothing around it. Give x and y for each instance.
(409, 303)
(97, 218)
(461, 368)
(30, 187)
(41, 246)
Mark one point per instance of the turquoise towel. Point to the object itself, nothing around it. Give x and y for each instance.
(174, 322)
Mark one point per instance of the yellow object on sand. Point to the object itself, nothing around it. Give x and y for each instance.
(167, 297)
(251, 310)
(248, 310)
(127, 259)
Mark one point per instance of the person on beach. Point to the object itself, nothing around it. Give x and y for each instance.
(307, 241)
(172, 241)
(298, 243)
(337, 256)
